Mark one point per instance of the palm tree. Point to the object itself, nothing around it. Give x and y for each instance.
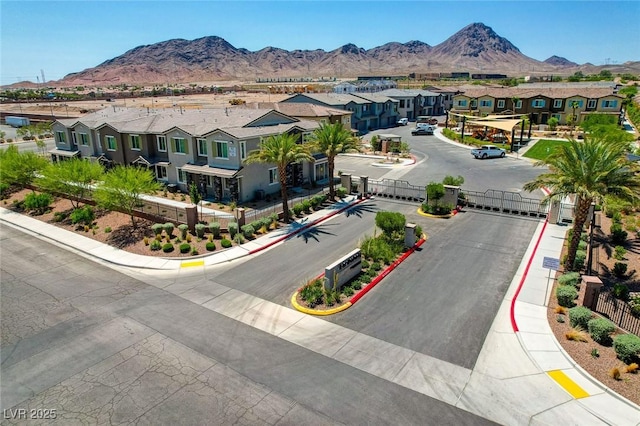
(333, 139)
(574, 118)
(280, 150)
(590, 170)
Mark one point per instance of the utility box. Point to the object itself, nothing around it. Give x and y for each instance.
(409, 235)
(345, 181)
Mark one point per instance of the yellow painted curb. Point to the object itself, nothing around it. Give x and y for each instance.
(568, 384)
(446, 216)
(192, 263)
(302, 309)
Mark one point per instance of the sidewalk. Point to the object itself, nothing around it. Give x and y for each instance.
(522, 374)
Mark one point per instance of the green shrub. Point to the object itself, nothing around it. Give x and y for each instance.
(185, 247)
(600, 330)
(214, 228)
(341, 192)
(390, 222)
(59, 216)
(627, 347)
(194, 252)
(357, 284)
(619, 270)
(273, 217)
(200, 228)
(312, 293)
(581, 256)
(168, 228)
(618, 235)
(566, 294)
(156, 245)
(364, 264)
(619, 252)
(620, 291)
(225, 243)
(167, 248)
(348, 291)
(157, 228)
(418, 231)
(616, 217)
(570, 278)
(582, 245)
(183, 230)
(82, 215)
(378, 249)
(211, 246)
(37, 202)
(248, 231)
(107, 229)
(233, 229)
(257, 224)
(306, 206)
(580, 316)
(297, 209)
(375, 266)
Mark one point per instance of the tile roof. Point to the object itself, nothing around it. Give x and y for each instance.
(407, 93)
(525, 93)
(335, 98)
(298, 109)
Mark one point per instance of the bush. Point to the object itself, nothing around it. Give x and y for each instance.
(378, 249)
(619, 252)
(167, 248)
(200, 230)
(107, 229)
(566, 294)
(214, 228)
(83, 215)
(248, 231)
(627, 347)
(619, 270)
(582, 245)
(620, 291)
(579, 316)
(211, 246)
(168, 228)
(312, 293)
(185, 247)
(297, 209)
(375, 266)
(306, 206)
(570, 278)
(418, 231)
(157, 228)
(618, 235)
(183, 230)
(581, 256)
(348, 291)
(37, 202)
(341, 192)
(225, 243)
(635, 306)
(600, 330)
(156, 245)
(390, 222)
(233, 229)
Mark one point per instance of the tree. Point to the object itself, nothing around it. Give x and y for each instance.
(552, 123)
(73, 177)
(194, 194)
(589, 170)
(333, 139)
(20, 168)
(280, 150)
(122, 189)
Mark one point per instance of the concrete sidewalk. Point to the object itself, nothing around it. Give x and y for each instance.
(522, 375)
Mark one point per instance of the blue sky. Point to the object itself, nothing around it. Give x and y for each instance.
(69, 36)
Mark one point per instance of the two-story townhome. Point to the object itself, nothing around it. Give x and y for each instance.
(413, 103)
(382, 112)
(319, 113)
(564, 103)
(206, 147)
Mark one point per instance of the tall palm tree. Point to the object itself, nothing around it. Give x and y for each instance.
(333, 139)
(280, 150)
(590, 170)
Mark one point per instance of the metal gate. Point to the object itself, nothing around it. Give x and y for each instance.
(396, 189)
(505, 202)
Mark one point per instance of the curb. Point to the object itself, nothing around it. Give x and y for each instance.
(309, 311)
(433, 216)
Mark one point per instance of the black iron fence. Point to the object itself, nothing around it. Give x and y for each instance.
(617, 311)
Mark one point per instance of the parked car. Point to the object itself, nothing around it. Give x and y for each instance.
(422, 131)
(402, 122)
(488, 151)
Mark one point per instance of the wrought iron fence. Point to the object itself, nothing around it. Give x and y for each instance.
(617, 311)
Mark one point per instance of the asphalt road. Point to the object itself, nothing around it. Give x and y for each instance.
(97, 346)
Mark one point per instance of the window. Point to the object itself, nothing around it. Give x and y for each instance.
(538, 103)
(578, 103)
(474, 103)
(74, 138)
(134, 142)
(273, 176)
(591, 103)
(202, 147)
(557, 103)
(486, 103)
(162, 143)
(401, 103)
(517, 104)
(243, 150)
(161, 172)
(609, 104)
(222, 149)
(84, 139)
(501, 103)
(179, 145)
(60, 137)
(462, 103)
(111, 143)
(182, 176)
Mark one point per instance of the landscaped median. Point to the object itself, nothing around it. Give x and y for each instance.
(332, 302)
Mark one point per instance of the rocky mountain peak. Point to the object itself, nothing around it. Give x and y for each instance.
(474, 40)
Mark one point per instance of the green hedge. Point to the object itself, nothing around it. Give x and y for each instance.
(225, 243)
(566, 294)
(600, 330)
(627, 347)
(214, 228)
(211, 246)
(570, 278)
(185, 248)
(580, 316)
(200, 230)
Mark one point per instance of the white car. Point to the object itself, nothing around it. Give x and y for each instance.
(402, 122)
(488, 151)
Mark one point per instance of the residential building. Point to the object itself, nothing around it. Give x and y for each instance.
(205, 146)
(413, 103)
(539, 104)
(319, 113)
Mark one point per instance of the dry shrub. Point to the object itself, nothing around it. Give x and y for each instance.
(614, 373)
(560, 310)
(632, 368)
(577, 335)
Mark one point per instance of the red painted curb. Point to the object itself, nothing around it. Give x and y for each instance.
(514, 325)
(315, 222)
(386, 272)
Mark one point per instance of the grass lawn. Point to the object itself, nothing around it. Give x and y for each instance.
(543, 148)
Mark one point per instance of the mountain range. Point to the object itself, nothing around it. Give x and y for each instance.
(475, 48)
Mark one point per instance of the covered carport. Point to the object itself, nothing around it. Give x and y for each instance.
(500, 123)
